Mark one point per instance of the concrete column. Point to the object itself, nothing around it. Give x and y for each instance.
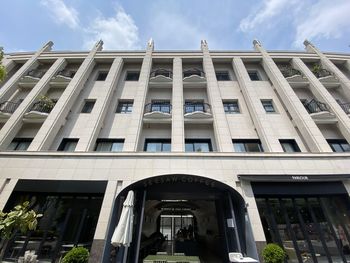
(11, 85)
(221, 128)
(6, 190)
(8, 63)
(257, 112)
(97, 116)
(58, 115)
(136, 122)
(14, 123)
(301, 118)
(177, 125)
(322, 94)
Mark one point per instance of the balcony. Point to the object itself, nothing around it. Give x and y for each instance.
(194, 77)
(157, 112)
(294, 77)
(31, 79)
(345, 107)
(6, 110)
(161, 78)
(39, 111)
(197, 112)
(319, 112)
(325, 77)
(62, 78)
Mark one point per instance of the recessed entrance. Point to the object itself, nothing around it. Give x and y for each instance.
(184, 218)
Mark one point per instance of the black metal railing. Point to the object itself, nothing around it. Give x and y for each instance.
(190, 107)
(42, 106)
(193, 71)
(35, 73)
(66, 73)
(314, 106)
(162, 72)
(288, 71)
(345, 107)
(160, 106)
(8, 107)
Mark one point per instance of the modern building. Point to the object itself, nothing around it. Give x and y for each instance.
(225, 151)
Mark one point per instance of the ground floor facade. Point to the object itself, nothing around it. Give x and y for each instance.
(197, 205)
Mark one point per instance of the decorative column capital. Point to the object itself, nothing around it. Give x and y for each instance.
(257, 43)
(150, 44)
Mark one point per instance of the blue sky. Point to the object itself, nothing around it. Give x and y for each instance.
(175, 24)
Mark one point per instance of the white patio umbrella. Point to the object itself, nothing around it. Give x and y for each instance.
(122, 235)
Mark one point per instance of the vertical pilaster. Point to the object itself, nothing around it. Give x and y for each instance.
(57, 117)
(97, 116)
(301, 118)
(11, 85)
(7, 188)
(135, 126)
(221, 128)
(322, 94)
(9, 64)
(177, 123)
(258, 114)
(14, 123)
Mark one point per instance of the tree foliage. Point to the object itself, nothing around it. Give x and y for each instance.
(76, 255)
(2, 68)
(273, 253)
(19, 219)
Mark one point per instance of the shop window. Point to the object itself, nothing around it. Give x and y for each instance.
(222, 76)
(132, 76)
(247, 145)
(339, 145)
(109, 145)
(157, 145)
(125, 106)
(101, 76)
(19, 144)
(289, 146)
(198, 145)
(88, 106)
(231, 106)
(68, 145)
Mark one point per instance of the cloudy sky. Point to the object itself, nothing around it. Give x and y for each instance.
(175, 24)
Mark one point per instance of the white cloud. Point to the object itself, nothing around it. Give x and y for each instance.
(118, 32)
(61, 13)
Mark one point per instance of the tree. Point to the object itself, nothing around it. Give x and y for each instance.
(2, 68)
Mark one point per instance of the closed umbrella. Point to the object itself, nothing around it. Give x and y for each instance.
(123, 232)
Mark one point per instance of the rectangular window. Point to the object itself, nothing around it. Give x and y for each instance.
(132, 76)
(339, 145)
(247, 145)
(198, 145)
(68, 145)
(289, 146)
(268, 106)
(194, 105)
(101, 76)
(157, 145)
(125, 106)
(19, 144)
(231, 106)
(88, 106)
(222, 75)
(161, 106)
(253, 75)
(109, 145)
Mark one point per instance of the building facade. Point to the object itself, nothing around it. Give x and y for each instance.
(225, 151)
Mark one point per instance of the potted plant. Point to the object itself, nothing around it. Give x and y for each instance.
(76, 255)
(273, 253)
(46, 103)
(316, 69)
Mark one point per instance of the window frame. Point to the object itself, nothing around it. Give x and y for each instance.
(121, 105)
(102, 73)
(236, 110)
(339, 143)
(265, 106)
(162, 141)
(132, 72)
(294, 145)
(18, 142)
(109, 140)
(258, 77)
(85, 108)
(222, 72)
(194, 141)
(65, 142)
(245, 143)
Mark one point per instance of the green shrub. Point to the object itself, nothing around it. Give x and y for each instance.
(273, 253)
(76, 255)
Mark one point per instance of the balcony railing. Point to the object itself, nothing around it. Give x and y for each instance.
(314, 106)
(345, 107)
(162, 72)
(42, 106)
(164, 107)
(8, 107)
(193, 71)
(190, 107)
(289, 71)
(66, 73)
(35, 73)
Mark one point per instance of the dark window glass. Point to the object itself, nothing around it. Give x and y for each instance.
(68, 145)
(125, 106)
(157, 145)
(109, 145)
(231, 106)
(268, 106)
(339, 145)
(198, 145)
(132, 76)
(289, 146)
(192, 106)
(19, 144)
(222, 75)
(248, 145)
(161, 106)
(253, 75)
(102, 76)
(88, 106)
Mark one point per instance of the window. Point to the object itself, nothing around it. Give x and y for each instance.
(125, 106)
(102, 75)
(247, 145)
(68, 145)
(19, 144)
(88, 106)
(289, 146)
(198, 145)
(193, 106)
(157, 145)
(231, 106)
(132, 76)
(109, 145)
(253, 75)
(339, 145)
(161, 106)
(268, 106)
(222, 75)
